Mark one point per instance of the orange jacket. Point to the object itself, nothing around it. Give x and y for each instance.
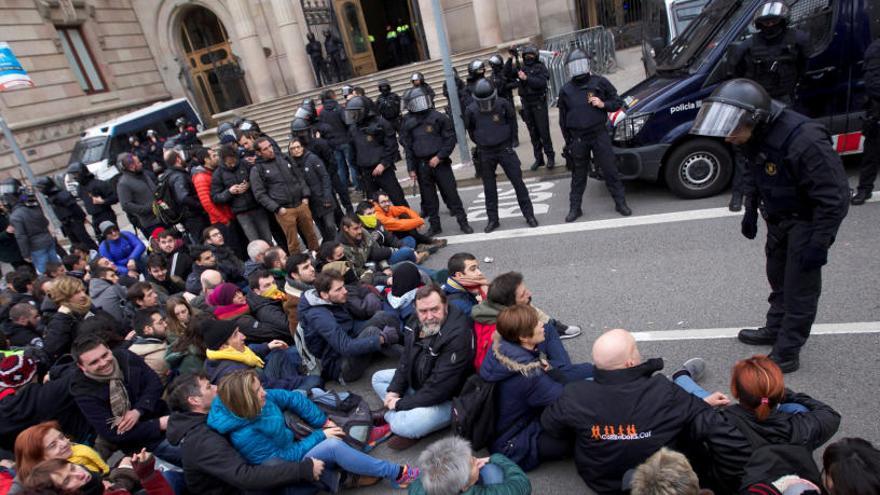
(392, 221)
(217, 213)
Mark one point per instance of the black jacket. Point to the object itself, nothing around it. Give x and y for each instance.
(31, 229)
(135, 193)
(65, 207)
(576, 115)
(224, 178)
(374, 142)
(271, 315)
(184, 193)
(324, 150)
(425, 135)
(620, 419)
(278, 184)
(60, 333)
(332, 124)
(212, 466)
(20, 335)
(534, 88)
(491, 129)
(437, 366)
(97, 188)
(318, 178)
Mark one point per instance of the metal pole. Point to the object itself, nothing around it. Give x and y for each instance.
(464, 153)
(7, 133)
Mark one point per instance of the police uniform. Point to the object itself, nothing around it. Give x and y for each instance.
(492, 132)
(533, 92)
(425, 135)
(584, 127)
(799, 180)
(505, 85)
(870, 125)
(375, 143)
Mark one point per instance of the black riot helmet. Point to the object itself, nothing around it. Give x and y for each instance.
(249, 125)
(418, 100)
(530, 53)
(476, 69)
(181, 122)
(10, 191)
(303, 113)
(151, 133)
(347, 90)
(496, 62)
(771, 12)
(78, 171)
(133, 140)
(577, 63)
(485, 94)
(733, 104)
(46, 185)
(384, 87)
(417, 78)
(225, 129)
(356, 110)
(301, 128)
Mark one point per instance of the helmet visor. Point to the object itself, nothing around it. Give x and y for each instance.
(771, 9)
(302, 113)
(8, 188)
(418, 103)
(486, 104)
(578, 67)
(353, 115)
(718, 119)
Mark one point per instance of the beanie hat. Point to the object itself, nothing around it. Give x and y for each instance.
(222, 294)
(215, 333)
(405, 278)
(105, 226)
(16, 371)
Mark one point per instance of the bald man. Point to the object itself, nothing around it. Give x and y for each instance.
(624, 415)
(209, 279)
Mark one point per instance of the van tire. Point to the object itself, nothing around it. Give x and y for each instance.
(698, 168)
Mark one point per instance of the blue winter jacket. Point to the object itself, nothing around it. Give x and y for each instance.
(459, 297)
(267, 436)
(127, 247)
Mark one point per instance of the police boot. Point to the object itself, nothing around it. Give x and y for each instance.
(551, 162)
(434, 230)
(861, 196)
(787, 365)
(622, 208)
(539, 162)
(736, 202)
(532, 221)
(492, 225)
(757, 336)
(573, 214)
(465, 227)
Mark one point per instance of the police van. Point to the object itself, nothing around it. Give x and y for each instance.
(651, 132)
(98, 146)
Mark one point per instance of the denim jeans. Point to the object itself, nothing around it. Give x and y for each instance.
(284, 364)
(255, 224)
(491, 474)
(344, 162)
(403, 254)
(409, 241)
(691, 387)
(413, 423)
(42, 256)
(168, 453)
(335, 452)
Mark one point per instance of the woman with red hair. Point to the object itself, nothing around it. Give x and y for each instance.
(45, 441)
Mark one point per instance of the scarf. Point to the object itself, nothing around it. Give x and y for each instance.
(278, 273)
(402, 301)
(79, 309)
(247, 356)
(86, 457)
(119, 401)
(296, 288)
(369, 221)
(476, 290)
(231, 311)
(274, 294)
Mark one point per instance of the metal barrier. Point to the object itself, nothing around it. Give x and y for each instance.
(597, 41)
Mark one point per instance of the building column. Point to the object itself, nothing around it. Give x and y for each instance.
(298, 62)
(251, 49)
(488, 22)
(429, 25)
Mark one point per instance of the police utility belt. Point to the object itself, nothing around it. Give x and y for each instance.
(779, 217)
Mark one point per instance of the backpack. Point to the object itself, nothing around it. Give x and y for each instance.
(771, 461)
(349, 411)
(473, 412)
(165, 207)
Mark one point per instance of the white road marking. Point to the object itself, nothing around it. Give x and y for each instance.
(730, 333)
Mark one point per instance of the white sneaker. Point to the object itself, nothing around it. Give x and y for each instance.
(570, 332)
(696, 367)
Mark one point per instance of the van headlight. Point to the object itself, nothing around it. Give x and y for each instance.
(629, 128)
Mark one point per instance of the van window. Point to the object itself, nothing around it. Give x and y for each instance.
(89, 150)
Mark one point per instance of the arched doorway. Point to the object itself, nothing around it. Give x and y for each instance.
(216, 75)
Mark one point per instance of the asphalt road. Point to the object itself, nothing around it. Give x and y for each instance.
(692, 270)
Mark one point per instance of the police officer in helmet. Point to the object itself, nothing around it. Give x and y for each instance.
(375, 145)
(98, 196)
(301, 128)
(505, 83)
(870, 126)
(490, 121)
(388, 103)
(428, 138)
(67, 210)
(533, 79)
(418, 79)
(584, 103)
(798, 179)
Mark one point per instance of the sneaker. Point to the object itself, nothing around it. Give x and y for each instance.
(358, 481)
(440, 243)
(378, 434)
(569, 331)
(410, 474)
(696, 367)
(398, 442)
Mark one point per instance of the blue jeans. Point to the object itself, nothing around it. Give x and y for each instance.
(690, 386)
(413, 423)
(409, 241)
(284, 364)
(335, 452)
(168, 453)
(559, 358)
(40, 257)
(345, 162)
(491, 474)
(403, 254)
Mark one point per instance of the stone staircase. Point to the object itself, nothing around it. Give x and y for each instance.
(274, 115)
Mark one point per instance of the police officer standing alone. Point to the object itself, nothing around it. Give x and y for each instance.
(533, 77)
(490, 122)
(584, 103)
(798, 178)
(428, 139)
(775, 57)
(870, 126)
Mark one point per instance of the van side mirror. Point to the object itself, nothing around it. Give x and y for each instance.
(657, 43)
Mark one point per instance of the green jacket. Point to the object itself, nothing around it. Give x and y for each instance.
(515, 481)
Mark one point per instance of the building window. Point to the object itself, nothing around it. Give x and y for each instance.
(80, 58)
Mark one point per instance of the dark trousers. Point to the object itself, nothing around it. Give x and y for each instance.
(506, 157)
(599, 143)
(870, 157)
(516, 121)
(318, 66)
(352, 368)
(538, 122)
(194, 226)
(739, 169)
(415, 234)
(75, 230)
(794, 292)
(440, 177)
(326, 224)
(387, 182)
(340, 189)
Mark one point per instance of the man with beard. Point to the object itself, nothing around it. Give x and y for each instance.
(301, 275)
(436, 361)
(179, 261)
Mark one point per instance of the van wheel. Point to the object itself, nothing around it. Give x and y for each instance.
(698, 168)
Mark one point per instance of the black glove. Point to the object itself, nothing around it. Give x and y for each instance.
(750, 223)
(390, 335)
(814, 257)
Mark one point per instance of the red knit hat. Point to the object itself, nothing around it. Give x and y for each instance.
(16, 371)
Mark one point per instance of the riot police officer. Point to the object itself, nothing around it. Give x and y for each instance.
(504, 84)
(374, 145)
(98, 196)
(870, 126)
(584, 103)
(797, 177)
(68, 212)
(303, 129)
(388, 103)
(313, 49)
(335, 53)
(490, 122)
(533, 78)
(428, 139)
(418, 79)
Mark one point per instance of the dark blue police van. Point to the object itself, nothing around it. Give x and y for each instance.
(651, 139)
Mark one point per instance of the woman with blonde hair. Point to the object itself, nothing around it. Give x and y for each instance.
(74, 305)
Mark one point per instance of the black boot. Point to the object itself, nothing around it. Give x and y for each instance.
(573, 215)
(538, 164)
(551, 162)
(532, 221)
(434, 230)
(465, 227)
(757, 336)
(787, 365)
(622, 208)
(736, 202)
(492, 225)
(861, 196)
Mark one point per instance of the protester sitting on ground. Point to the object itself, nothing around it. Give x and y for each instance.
(256, 250)
(74, 305)
(76, 266)
(370, 260)
(61, 475)
(213, 237)
(345, 346)
(210, 464)
(107, 294)
(665, 473)
(164, 283)
(188, 352)
(329, 252)
(399, 298)
(253, 418)
(300, 278)
(366, 212)
(448, 466)
(142, 296)
(529, 366)
(403, 222)
(55, 269)
(25, 400)
(436, 361)
(151, 344)
(266, 301)
(123, 248)
(230, 303)
(23, 327)
(126, 280)
(851, 466)
(180, 263)
(47, 440)
(178, 313)
(276, 364)
(205, 260)
(209, 280)
(466, 286)
(622, 416)
(41, 293)
(120, 397)
(274, 261)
